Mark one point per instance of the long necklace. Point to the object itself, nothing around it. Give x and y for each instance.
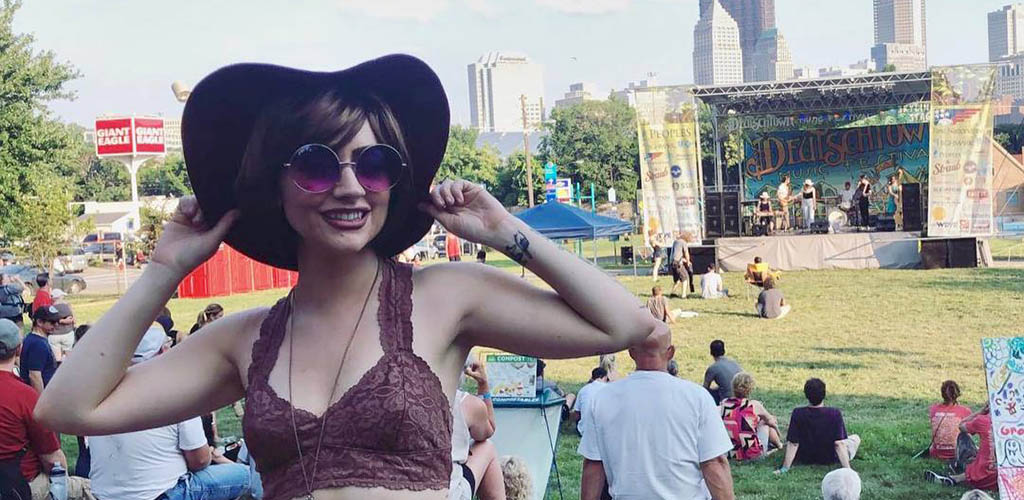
(334, 387)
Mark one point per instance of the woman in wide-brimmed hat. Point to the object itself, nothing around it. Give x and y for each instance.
(808, 203)
(348, 379)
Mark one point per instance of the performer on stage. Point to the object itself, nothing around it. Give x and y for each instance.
(846, 197)
(784, 194)
(764, 213)
(808, 202)
(894, 205)
(864, 195)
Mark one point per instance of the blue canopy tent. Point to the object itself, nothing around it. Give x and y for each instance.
(559, 221)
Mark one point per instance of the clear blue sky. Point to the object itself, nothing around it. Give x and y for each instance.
(130, 51)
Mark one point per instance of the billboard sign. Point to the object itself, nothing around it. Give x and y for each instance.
(129, 136)
(114, 137)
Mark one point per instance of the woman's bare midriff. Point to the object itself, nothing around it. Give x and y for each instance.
(354, 493)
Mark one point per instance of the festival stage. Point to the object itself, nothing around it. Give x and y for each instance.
(799, 252)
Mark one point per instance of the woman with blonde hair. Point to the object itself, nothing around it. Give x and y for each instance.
(607, 361)
(751, 426)
(518, 482)
(331, 174)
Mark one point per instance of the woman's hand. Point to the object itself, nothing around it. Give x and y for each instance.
(187, 241)
(467, 210)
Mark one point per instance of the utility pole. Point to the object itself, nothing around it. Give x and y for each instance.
(526, 150)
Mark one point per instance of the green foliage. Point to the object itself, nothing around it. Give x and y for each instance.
(33, 145)
(889, 68)
(1010, 137)
(103, 180)
(46, 223)
(152, 227)
(510, 188)
(166, 176)
(464, 160)
(595, 142)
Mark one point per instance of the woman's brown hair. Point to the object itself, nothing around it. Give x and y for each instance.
(331, 118)
(950, 392)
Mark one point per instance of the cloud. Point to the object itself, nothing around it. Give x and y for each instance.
(419, 10)
(486, 8)
(585, 6)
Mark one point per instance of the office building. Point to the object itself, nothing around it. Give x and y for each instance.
(1006, 32)
(717, 55)
(579, 92)
(771, 58)
(900, 35)
(501, 85)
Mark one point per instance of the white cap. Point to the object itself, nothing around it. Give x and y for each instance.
(57, 293)
(150, 344)
(808, 182)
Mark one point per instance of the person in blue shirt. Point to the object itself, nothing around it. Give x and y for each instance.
(37, 361)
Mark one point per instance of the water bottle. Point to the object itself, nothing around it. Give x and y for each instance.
(58, 483)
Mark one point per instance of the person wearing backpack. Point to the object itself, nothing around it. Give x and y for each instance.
(12, 304)
(27, 449)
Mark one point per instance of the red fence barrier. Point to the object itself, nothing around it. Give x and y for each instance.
(229, 272)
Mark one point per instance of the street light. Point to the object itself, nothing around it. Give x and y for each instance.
(181, 91)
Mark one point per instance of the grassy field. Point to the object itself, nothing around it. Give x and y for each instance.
(882, 340)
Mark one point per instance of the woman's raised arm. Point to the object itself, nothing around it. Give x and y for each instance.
(93, 393)
(587, 313)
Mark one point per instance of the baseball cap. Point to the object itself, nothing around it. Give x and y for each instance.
(58, 294)
(10, 337)
(150, 344)
(49, 313)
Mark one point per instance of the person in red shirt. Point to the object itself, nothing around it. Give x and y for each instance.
(945, 418)
(20, 432)
(453, 247)
(981, 472)
(42, 297)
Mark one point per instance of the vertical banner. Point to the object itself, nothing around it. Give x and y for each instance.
(669, 161)
(960, 155)
(1004, 374)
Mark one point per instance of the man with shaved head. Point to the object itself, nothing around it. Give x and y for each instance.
(654, 436)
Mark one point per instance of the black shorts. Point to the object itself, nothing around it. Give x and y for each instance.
(677, 273)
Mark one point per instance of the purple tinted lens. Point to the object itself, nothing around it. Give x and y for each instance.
(378, 168)
(315, 168)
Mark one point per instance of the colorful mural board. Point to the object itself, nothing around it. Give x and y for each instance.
(831, 157)
(1004, 374)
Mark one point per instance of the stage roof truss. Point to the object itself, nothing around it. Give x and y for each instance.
(874, 91)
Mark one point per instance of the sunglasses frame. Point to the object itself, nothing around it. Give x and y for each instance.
(354, 165)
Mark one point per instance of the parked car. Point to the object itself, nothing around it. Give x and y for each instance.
(70, 283)
(439, 243)
(425, 251)
(74, 263)
(104, 250)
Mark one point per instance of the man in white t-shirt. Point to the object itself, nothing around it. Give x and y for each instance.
(598, 380)
(170, 462)
(711, 286)
(652, 436)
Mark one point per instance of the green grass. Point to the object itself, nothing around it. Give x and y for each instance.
(883, 341)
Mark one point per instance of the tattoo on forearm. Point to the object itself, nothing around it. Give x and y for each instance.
(519, 250)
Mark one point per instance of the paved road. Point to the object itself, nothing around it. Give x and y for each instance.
(105, 281)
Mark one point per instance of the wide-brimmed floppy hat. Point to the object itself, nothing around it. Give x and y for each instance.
(223, 108)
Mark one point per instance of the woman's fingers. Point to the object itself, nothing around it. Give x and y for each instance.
(457, 190)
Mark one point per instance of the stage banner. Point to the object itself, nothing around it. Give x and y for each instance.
(1004, 374)
(960, 188)
(669, 161)
(832, 157)
(915, 112)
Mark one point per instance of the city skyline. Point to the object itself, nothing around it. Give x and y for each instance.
(130, 53)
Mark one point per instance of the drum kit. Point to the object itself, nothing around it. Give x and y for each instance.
(840, 217)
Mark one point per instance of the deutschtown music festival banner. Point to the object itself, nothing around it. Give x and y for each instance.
(960, 190)
(832, 157)
(669, 161)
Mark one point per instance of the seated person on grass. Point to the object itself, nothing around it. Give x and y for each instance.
(711, 286)
(945, 420)
(750, 425)
(770, 302)
(720, 373)
(658, 305)
(758, 271)
(981, 472)
(817, 433)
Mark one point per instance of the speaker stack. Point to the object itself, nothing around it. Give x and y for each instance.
(912, 217)
(949, 252)
(722, 214)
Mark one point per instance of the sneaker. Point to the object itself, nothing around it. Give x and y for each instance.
(938, 478)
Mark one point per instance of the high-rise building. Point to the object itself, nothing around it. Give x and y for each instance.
(717, 55)
(771, 58)
(753, 17)
(496, 83)
(1006, 32)
(579, 92)
(626, 94)
(900, 35)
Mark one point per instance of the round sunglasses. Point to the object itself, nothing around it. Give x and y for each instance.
(316, 168)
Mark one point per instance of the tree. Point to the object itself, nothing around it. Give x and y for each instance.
(47, 222)
(595, 142)
(464, 160)
(34, 147)
(510, 185)
(103, 179)
(164, 177)
(151, 228)
(889, 68)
